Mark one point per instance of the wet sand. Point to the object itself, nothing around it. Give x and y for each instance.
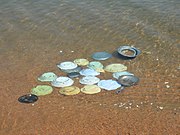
(32, 44)
(151, 107)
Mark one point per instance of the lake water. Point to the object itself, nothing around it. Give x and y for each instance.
(36, 35)
(38, 30)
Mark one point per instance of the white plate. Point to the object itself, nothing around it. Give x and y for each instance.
(118, 74)
(89, 72)
(109, 84)
(89, 80)
(67, 65)
(62, 82)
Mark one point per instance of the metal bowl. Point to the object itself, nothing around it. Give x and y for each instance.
(128, 80)
(128, 51)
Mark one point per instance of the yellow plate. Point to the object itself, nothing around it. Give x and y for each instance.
(41, 90)
(90, 89)
(81, 62)
(115, 68)
(71, 90)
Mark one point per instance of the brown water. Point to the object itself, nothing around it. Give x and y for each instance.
(32, 36)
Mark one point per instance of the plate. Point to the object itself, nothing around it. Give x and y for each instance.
(71, 90)
(28, 98)
(89, 72)
(47, 77)
(67, 65)
(115, 67)
(77, 69)
(73, 74)
(81, 62)
(109, 84)
(96, 65)
(89, 80)
(128, 80)
(62, 82)
(90, 89)
(41, 90)
(101, 56)
(118, 74)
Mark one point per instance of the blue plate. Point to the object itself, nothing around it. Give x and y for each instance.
(89, 72)
(101, 56)
(73, 74)
(109, 84)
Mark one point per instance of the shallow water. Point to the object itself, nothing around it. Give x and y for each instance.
(37, 35)
(38, 30)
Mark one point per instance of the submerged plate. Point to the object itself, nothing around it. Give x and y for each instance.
(128, 51)
(81, 62)
(90, 89)
(67, 65)
(47, 77)
(128, 80)
(89, 72)
(118, 74)
(41, 90)
(71, 90)
(29, 98)
(101, 56)
(115, 68)
(89, 80)
(73, 74)
(77, 69)
(62, 82)
(109, 84)
(96, 65)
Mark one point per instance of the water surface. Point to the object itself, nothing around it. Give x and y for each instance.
(36, 35)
